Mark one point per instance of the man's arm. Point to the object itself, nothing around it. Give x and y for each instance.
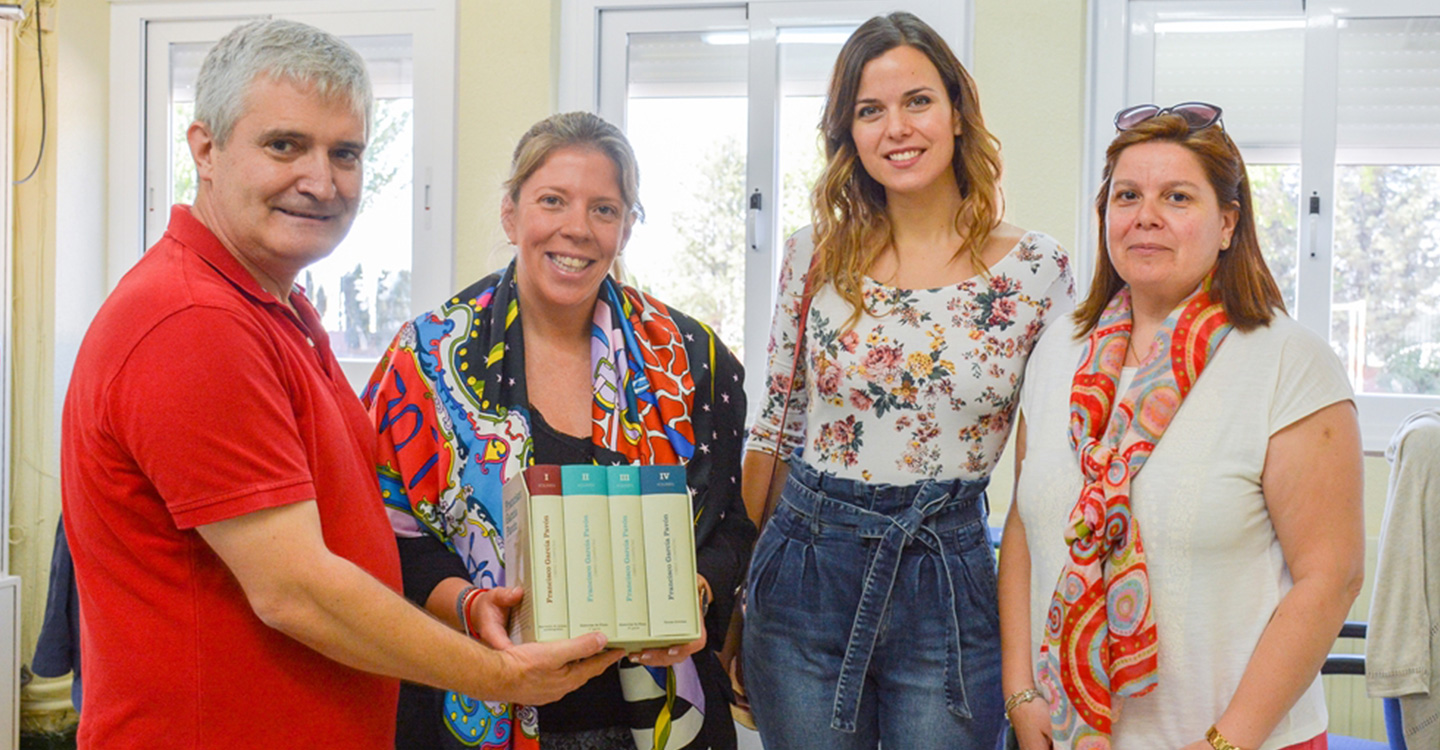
(296, 585)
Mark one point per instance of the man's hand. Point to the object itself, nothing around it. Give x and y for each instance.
(540, 673)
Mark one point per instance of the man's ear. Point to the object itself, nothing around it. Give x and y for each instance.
(202, 149)
(507, 218)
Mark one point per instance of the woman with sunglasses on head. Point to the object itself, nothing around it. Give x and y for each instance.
(904, 320)
(1187, 533)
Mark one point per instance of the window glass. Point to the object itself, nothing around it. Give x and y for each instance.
(685, 116)
(807, 56)
(1385, 308)
(1275, 193)
(1254, 69)
(362, 290)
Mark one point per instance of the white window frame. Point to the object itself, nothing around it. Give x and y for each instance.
(9, 17)
(1110, 79)
(433, 28)
(581, 88)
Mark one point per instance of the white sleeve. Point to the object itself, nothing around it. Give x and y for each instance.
(1060, 295)
(785, 354)
(1310, 377)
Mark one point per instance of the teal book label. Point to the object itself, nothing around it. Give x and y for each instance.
(627, 552)
(669, 553)
(534, 520)
(590, 576)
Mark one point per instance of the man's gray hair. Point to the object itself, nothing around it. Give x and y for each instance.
(285, 51)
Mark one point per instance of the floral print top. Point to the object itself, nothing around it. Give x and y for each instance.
(926, 383)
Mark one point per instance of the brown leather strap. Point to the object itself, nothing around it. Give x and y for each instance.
(771, 499)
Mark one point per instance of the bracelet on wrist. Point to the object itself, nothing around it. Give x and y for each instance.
(705, 599)
(1217, 740)
(460, 613)
(1024, 696)
(466, 597)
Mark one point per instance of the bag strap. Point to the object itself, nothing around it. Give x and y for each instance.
(806, 296)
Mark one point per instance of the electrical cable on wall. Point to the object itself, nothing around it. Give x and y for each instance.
(44, 115)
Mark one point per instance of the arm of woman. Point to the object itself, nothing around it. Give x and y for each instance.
(780, 423)
(1031, 719)
(433, 575)
(489, 611)
(1313, 489)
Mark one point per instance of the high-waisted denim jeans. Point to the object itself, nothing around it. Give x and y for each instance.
(872, 618)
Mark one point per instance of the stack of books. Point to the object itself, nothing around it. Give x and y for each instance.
(602, 548)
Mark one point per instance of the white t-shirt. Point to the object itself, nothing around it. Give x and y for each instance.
(1216, 568)
(925, 389)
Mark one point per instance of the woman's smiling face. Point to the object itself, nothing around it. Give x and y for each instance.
(568, 222)
(904, 126)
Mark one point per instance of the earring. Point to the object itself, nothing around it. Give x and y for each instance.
(1225, 244)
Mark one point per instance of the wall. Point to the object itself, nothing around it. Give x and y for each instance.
(50, 310)
(1030, 69)
(34, 491)
(1028, 62)
(1029, 66)
(509, 62)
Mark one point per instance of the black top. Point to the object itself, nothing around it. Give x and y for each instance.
(426, 561)
(599, 702)
(723, 536)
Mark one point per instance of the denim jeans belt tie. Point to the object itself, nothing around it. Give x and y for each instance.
(915, 524)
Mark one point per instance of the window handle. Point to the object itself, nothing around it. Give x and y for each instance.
(1314, 219)
(752, 221)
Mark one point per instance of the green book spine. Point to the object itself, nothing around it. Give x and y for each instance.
(627, 550)
(590, 577)
(669, 553)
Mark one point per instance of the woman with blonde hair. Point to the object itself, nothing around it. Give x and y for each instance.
(903, 323)
(550, 360)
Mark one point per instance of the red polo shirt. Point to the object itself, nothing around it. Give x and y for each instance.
(197, 397)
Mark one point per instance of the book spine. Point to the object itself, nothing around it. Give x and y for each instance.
(669, 552)
(548, 589)
(627, 549)
(518, 567)
(590, 576)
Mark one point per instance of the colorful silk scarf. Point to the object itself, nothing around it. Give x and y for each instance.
(449, 400)
(1100, 636)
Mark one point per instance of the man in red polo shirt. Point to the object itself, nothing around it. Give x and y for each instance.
(236, 569)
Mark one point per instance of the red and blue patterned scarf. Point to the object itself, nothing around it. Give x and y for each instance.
(1100, 636)
(450, 402)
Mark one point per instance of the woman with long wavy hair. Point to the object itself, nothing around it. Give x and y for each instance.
(904, 320)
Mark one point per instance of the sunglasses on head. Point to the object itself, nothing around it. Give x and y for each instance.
(1198, 115)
